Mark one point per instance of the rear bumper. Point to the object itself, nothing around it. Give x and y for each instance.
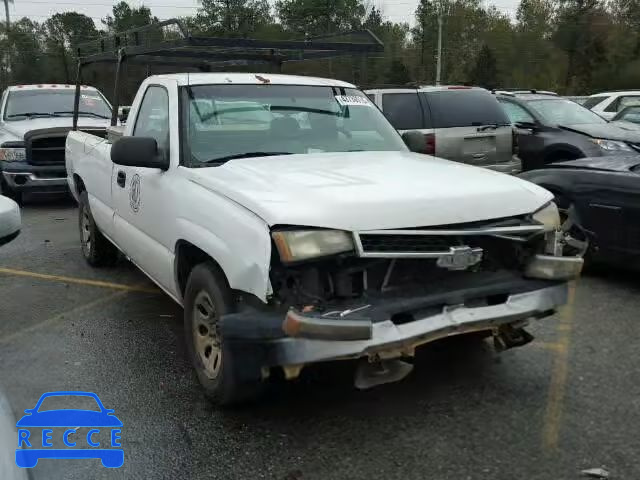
(513, 167)
(308, 338)
(23, 177)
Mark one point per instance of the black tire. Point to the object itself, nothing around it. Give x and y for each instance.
(96, 249)
(225, 379)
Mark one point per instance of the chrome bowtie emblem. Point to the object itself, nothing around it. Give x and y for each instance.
(460, 258)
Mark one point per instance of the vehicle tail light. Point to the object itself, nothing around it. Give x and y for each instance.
(431, 143)
(514, 141)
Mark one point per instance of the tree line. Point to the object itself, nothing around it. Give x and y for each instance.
(570, 46)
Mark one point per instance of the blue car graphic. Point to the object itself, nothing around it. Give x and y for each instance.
(71, 419)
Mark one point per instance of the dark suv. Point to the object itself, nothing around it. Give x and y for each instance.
(552, 129)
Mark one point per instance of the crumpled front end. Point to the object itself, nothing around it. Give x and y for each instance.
(399, 289)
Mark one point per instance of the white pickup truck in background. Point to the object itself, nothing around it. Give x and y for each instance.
(34, 121)
(294, 225)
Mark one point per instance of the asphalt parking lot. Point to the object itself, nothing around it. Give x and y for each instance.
(567, 402)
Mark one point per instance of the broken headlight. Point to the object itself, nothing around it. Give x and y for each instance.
(548, 216)
(297, 245)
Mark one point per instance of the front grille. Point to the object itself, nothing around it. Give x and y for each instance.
(46, 150)
(411, 243)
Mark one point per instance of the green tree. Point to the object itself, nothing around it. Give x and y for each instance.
(318, 17)
(233, 17)
(64, 31)
(485, 71)
(125, 18)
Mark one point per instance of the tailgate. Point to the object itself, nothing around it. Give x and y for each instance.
(467, 145)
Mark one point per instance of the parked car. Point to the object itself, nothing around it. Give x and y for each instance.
(552, 129)
(9, 220)
(578, 99)
(34, 121)
(303, 242)
(464, 124)
(600, 197)
(608, 104)
(630, 114)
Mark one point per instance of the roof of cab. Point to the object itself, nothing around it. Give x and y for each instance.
(47, 86)
(251, 79)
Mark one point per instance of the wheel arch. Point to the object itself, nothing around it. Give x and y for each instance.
(561, 152)
(187, 256)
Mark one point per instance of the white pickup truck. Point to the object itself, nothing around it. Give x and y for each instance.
(294, 225)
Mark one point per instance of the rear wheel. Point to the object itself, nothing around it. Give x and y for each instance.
(96, 249)
(226, 379)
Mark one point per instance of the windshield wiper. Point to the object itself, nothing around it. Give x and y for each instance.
(245, 155)
(33, 114)
(81, 112)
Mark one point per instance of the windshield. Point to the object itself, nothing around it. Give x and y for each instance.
(560, 111)
(54, 102)
(234, 121)
(593, 101)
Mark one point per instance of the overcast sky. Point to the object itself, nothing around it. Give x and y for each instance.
(40, 10)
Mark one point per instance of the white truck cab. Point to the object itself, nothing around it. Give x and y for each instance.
(294, 225)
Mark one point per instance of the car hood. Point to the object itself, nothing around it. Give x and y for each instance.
(369, 190)
(18, 128)
(611, 163)
(610, 131)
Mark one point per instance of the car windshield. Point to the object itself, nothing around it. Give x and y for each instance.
(23, 104)
(236, 121)
(560, 111)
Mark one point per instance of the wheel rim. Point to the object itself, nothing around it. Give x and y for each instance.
(574, 238)
(85, 232)
(206, 336)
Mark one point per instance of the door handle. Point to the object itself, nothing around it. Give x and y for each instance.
(122, 178)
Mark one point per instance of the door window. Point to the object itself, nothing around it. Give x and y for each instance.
(153, 118)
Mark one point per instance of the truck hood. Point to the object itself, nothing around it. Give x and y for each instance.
(369, 190)
(610, 131)
(18, 128)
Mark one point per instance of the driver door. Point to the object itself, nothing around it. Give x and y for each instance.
(140, 194)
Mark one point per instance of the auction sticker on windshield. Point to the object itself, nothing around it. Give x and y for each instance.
(68, 432)
(352, 100)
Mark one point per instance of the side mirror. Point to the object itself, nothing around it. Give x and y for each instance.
(416, 141)
(138, 152)
(123, 114)
(9, 220)
(527, 125)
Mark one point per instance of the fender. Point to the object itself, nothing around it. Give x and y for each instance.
(245, 262)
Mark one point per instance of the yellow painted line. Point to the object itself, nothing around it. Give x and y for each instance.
(553, 346)
(559, 374)
(5, 339)
(78, 281)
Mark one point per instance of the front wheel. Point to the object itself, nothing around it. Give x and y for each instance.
(226, 379)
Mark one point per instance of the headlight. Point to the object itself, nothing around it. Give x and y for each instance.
(12, 152)
(612, 145)
(548, 216)
(296, 245)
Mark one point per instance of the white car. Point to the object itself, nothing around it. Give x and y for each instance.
(9, 220)
(608, 104)
(296, 241)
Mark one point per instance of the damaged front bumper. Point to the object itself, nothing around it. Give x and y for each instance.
(302, 338)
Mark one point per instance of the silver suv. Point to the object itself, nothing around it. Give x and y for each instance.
(465, 124)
